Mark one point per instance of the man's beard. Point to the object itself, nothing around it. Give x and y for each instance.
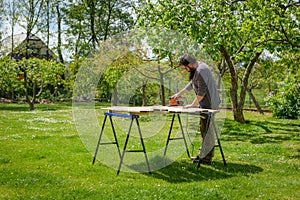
(192, 72)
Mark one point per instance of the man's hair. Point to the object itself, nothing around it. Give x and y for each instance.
(187, 59)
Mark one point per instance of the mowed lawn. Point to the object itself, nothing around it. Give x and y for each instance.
(43, 157)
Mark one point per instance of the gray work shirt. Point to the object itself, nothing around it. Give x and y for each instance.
(204, 85)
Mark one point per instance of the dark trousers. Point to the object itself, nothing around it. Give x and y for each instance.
(204, 130)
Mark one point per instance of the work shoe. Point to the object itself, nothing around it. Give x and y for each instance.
(202, 161)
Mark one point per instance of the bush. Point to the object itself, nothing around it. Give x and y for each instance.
(286, 102)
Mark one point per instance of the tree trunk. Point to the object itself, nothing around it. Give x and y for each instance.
(91, 5)
(162, 86)
(60, 56)
(115, 102)
(245, 80)
(31, 106)
(237, 105)
(145, 103)
(110, 7)
(252, 97)
(237, 111)
(29, 102)
(12, 40)
(48, 29)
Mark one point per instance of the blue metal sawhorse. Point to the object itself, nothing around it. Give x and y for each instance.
(132, 117)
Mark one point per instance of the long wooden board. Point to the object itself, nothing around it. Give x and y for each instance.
(131, 110)
(164, 109)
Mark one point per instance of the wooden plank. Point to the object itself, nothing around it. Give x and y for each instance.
(129, 109)
(158, 109)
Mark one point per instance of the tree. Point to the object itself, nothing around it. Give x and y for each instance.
(29, 11)
(92, 21)
(59, 30)
(40, 74)
(29, 14)
(236, 31)
(52, 29)
(12, 16)
(123, 62)
(1, 18)
(89, 24)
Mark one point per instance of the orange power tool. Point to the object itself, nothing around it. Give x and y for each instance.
(175, 101)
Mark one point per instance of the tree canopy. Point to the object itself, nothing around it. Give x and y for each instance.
(235, 31)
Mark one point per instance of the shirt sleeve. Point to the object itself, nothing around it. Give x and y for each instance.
(189, 86)
(200, 85)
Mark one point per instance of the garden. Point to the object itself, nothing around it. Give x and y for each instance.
(63, 63)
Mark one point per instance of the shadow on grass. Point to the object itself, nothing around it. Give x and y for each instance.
(259, 132)
(296, 156)
(186, 171)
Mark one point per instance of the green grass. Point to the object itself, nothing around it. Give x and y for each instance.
(43, 157)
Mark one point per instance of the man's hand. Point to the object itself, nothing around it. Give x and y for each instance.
(179, 94)
(175, 96)
(190, 106)
(195, 103)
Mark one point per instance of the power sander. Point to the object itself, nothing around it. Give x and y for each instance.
(175, 101)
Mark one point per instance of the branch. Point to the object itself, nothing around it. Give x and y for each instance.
(235, 1)
(286, 36)
(41, 89)
(283, 41)
(146, 75)
(241, 48)
(34, 22)
(250, 66)
(166, 71)
(290, 4)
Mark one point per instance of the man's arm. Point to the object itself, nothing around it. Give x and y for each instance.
(195, 103)
(188, 87)
(180, 93)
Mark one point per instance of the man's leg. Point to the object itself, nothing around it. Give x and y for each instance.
(206, 152)
(209, 142)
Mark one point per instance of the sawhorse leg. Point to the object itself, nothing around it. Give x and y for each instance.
(106, 143)
(219, 145)
(126, 142)
(178, 138)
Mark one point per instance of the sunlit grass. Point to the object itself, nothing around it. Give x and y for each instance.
(43, 157)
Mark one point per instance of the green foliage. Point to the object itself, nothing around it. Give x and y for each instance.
(123, 62)
(9, 75)
(30, 77)
(286, 102)
(70, 75)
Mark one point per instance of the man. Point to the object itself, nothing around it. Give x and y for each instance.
(207, 97)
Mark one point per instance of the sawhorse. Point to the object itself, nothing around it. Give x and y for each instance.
(176, 138)
(132, 117)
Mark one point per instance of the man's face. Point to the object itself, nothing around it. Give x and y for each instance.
(187, 68)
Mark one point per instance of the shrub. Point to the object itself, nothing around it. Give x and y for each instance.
(286, 102)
